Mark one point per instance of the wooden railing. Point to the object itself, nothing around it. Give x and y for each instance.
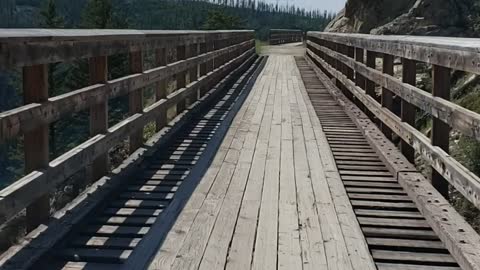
(351, 59)
(207, 57)
(283, 36)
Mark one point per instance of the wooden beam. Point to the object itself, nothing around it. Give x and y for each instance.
(440, 130)
(193, 73)
(409, 75)
(161, 86)
(360, 57)
(387, 96)
(181, 77)
(28, 47)
(29, 117)
(16, 197)
(455, 173)
(371, 63)
(36, 145)
(462, 53)
(98, 70)
(464, 120)
(135, 99)
(457, 235)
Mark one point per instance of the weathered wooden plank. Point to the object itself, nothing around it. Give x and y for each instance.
(243, 241)
(288, 219)
(217, 249)
(354, 242)
(463, 243)
(266, 243)
(307, 170)
(27, 47)
(98, 70)
(161, 59)
(408, 111)
(459, 118)
(462, 52)
(31, 187)
(440, 134)
(32, 115)
(173, 241)
(36, 143)
(456, 174)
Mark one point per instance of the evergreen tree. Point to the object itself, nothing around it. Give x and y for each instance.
(217, 19)
(56, 76)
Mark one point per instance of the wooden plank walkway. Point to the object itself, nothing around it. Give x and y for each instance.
(270, 199)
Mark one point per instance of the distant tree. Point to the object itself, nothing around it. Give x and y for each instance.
(56, 76)
(50, 17)
(219, 20)
(97, 14)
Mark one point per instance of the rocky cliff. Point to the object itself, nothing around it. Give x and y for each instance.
(413, 17)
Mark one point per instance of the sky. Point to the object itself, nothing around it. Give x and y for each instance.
(331, 5)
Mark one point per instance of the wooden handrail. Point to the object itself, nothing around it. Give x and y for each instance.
(282, 36)
(34, 49)
(325, 50)
(26, 47)
(455, 53)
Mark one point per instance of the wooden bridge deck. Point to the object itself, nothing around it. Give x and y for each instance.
(270, 199)
(276, 167)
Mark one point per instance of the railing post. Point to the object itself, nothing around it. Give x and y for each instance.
(359, 79)
(135, 99)
(181, 78)
(339, 67)
(98, 70)
(360, 58)
(409, 73)
(440, 130)
(36, 147)
(203, 67)
(371, 63)
(161, 87)
(194, 71)
(387, 96)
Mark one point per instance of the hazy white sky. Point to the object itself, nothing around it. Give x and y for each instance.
(332, 5)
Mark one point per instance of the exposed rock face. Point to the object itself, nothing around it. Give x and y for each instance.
(413, 17)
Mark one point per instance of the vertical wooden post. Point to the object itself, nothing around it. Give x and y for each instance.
(210, 48)
(181, 78)
(36, 148)
(98, 69)
(407, 109)
(194, 71)
(350, 53)
(135, 99)
(359, 79)
(359, 57)
(203, 68)
(440, 130)
(338, 67)
(371, 63)
(161, 87)
(387, 96)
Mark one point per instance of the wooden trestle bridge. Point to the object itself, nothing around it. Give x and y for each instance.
(299, 158)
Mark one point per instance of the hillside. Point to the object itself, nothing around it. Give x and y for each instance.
(455, 18)
(412, 17)
(170, 14)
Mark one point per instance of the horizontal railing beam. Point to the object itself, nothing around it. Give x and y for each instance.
(20, 194)
(459, 118)
(19, 47)
(455, 53)
(28, 117)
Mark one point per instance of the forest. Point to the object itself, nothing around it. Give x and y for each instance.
(123, 14)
